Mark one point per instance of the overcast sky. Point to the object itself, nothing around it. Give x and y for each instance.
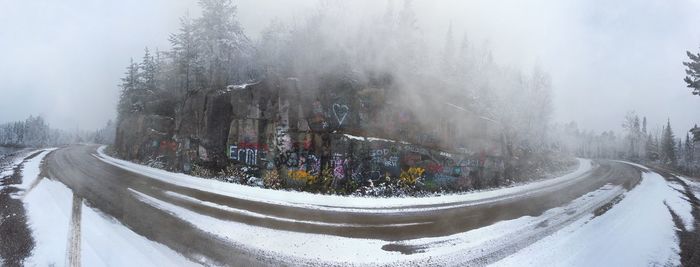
(63, 59)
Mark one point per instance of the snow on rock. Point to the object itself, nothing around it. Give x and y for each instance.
(239, 86)
(372, 139)
(49, 211)
(106, 242)
(638, 231)
(344, 203)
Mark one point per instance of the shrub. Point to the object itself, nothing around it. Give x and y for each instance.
(302, 176)
(413, 175)
(271, 179)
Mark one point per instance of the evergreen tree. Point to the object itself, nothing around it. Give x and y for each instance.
(689, 150)
(185, 56)
(651, 147)
(693, 72)
(128, 100)
(668, 145)
(680, 155)
(224, 48)
(147, 76)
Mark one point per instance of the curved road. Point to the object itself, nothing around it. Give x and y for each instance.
(110, 189)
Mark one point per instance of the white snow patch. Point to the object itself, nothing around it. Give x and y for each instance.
(345, 203)
(638, 231)
(31, 170)
(106, 242)
(371, 139)
(634, 164)
(263, 216)
(239, 86)
(49, 210)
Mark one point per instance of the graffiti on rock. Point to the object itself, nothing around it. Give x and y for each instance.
(341, 112)
(248, 156)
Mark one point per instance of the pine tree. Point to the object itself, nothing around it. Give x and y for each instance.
(693, 72)
(652, 150)
(668, 145)
(224, 47)
(689, 150)
(147, 76)
(128, 100)
(680, 155)
(185, 56)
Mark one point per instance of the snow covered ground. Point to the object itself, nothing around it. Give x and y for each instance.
(102, 234)
(638, 231)
(103, 240)
(30, 172)
(344, 203)
(8, 164)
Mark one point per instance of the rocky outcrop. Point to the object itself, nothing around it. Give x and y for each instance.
(345, 130)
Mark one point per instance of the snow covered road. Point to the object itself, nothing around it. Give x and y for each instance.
(160, 218)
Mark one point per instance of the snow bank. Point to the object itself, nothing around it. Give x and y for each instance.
(638, 231)
(263, 216)
(49, 211)
(106, 242)
(633, 164)
(344, 203)
(31, 170)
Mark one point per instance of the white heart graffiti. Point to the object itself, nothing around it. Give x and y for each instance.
(341, 112)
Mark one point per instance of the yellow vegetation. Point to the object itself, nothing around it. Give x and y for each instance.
(302, 175)
(411, 176)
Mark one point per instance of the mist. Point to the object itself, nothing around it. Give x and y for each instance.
(64, 60)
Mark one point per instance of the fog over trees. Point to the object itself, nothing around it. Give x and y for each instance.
(35, 132)
(213, 51)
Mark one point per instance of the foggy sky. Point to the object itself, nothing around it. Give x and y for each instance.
(64, 59)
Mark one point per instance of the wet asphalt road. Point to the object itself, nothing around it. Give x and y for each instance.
(106, 187)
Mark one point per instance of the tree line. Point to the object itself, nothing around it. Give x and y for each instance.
(638, 142)
(36, 132)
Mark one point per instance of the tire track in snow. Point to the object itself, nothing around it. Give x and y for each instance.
(73, 251)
